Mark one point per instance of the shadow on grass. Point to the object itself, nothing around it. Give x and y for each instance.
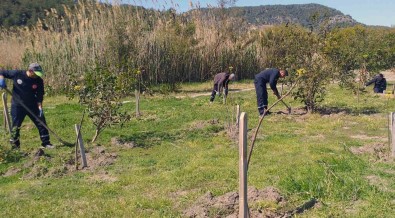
(204, 91)
(344, 110)
(149, 138)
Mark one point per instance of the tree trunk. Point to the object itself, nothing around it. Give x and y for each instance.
(96, 135)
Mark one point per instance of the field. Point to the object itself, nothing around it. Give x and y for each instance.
(183, 151)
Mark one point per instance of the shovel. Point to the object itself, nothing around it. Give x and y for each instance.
(288, 107)
(39, 120)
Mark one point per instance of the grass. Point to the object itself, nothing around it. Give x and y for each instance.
(183, 151)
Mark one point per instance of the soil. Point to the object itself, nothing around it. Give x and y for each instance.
(378, 151)
(12, 171)
(97, 158)
(382, 184)
(201, 124)
(227, 205)
(115, 141)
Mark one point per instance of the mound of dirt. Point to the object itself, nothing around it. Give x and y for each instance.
(97, 158)
(227, 205)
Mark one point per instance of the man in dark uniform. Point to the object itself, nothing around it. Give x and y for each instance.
(221, 80)
(28, 88)
(380, 83)
(267, 76)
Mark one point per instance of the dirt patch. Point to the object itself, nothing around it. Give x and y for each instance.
(115, 141)
(201, 124)
(227, 205)
(379, 152)
(365, 137)
(12, 171)
(355, 207)
(389, 74)
(294, 111)
(103, 176)
(378, 182)
(97, 158)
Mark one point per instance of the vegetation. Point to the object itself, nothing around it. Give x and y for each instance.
(179, 148)
(27, 12)
(306, 15)
(183, 150)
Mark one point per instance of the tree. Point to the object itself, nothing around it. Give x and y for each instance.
(98, 92)
(293, 47)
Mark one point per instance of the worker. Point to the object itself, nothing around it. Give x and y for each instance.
(221, 81)
(380, 83)
(27, 95)
(270, 76)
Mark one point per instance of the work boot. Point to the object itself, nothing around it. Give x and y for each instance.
(48, 146)
(15, 144)
(267, 112)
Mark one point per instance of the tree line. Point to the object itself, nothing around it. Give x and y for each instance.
(169, 48)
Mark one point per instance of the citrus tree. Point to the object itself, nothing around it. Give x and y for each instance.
(294, 47)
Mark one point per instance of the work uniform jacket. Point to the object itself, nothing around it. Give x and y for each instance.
(29, 90)
(221, 80)
(380, 84)
(270, 76)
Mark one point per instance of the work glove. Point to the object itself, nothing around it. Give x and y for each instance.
(40, 112)
(2, 83)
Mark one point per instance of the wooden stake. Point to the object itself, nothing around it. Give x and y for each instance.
(243, 208)
(237, 115)
(81, 143)
(7, 123)
(137, 94)
(392, 135)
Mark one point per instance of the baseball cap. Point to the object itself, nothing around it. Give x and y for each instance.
(36, 69)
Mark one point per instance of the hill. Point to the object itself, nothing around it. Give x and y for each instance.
(27, 12)
(307, 15)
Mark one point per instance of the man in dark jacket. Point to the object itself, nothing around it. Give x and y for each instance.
(380, 83)
(270, 76)
(221, 80)
(28, 89)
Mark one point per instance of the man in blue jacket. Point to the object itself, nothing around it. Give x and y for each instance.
(380, 83)
(28, 89)
(221, 81)
(270, 76)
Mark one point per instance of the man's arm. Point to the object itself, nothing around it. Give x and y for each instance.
(273, 85)
(226, 87)
(6, 74)
(371, 81)
(40, 93)
(221, 83)
(9, 74)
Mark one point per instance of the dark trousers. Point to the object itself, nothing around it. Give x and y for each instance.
(215, 90)
(18, 114)
(261, 95)
(378, 90)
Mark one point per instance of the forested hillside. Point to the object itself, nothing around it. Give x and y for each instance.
(26, 12)
(307, 15)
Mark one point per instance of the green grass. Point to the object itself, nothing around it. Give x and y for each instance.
(180, 156)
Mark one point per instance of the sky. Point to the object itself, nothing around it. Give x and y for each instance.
(370, 12)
